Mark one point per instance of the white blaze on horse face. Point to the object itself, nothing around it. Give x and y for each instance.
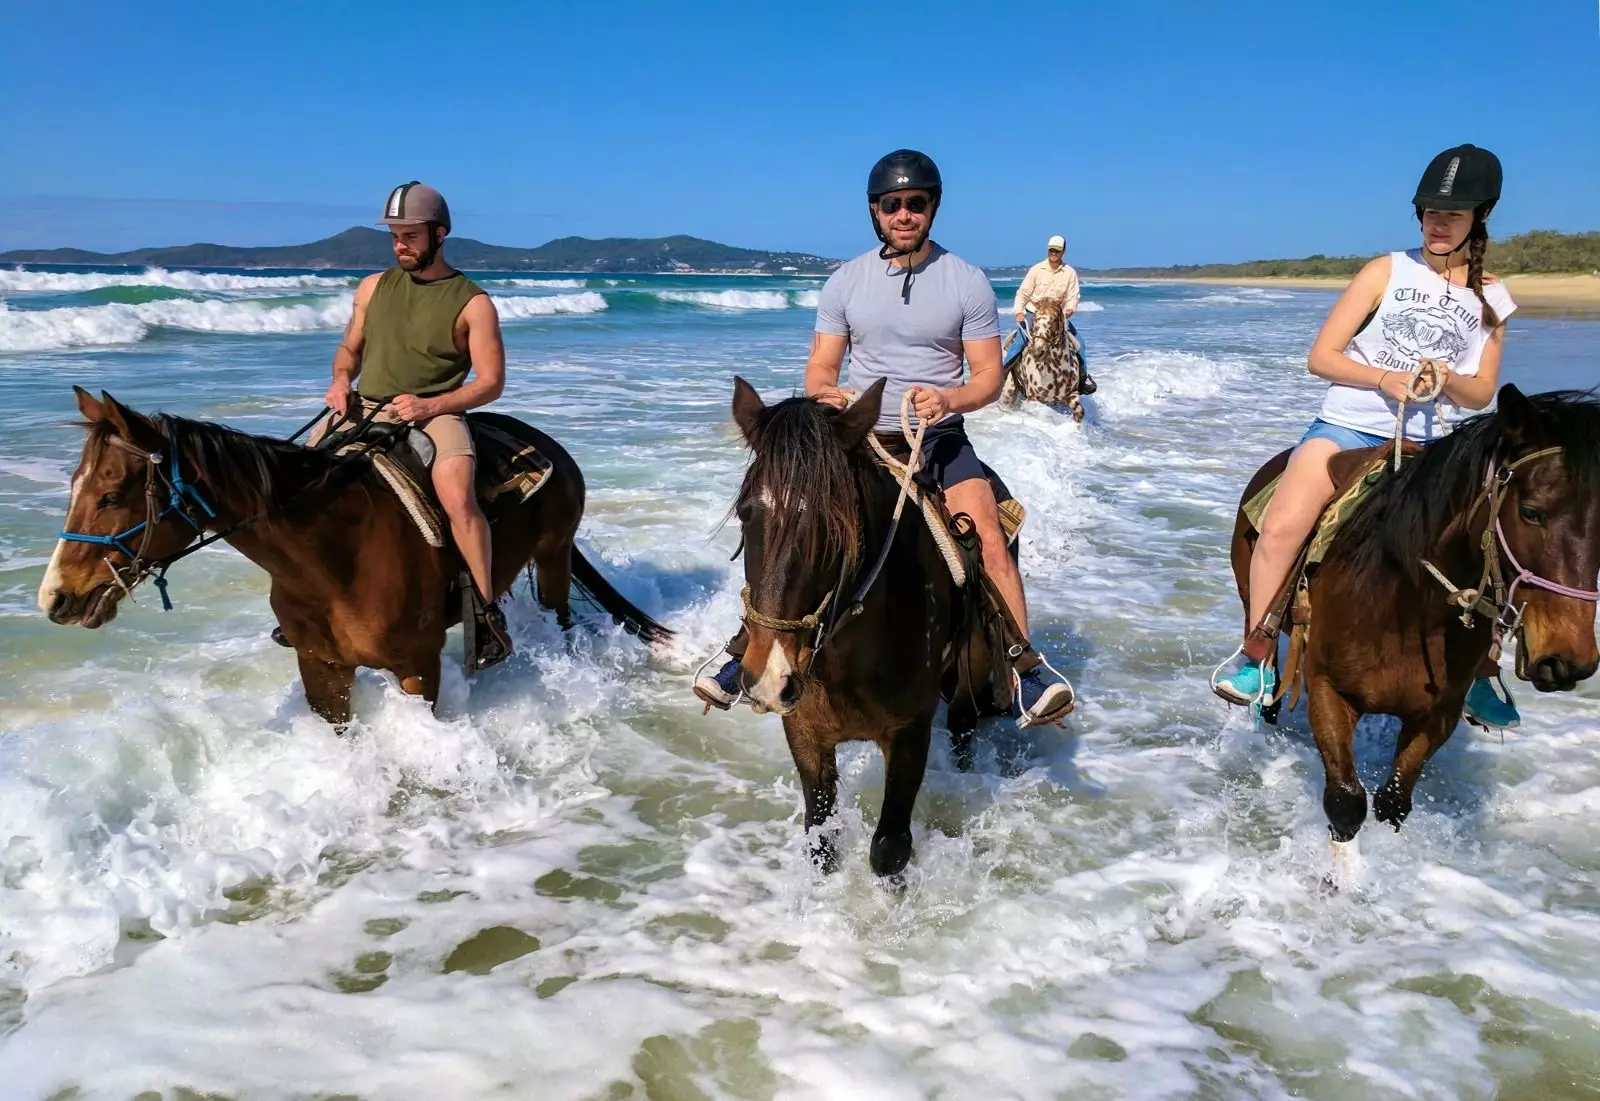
(52, 575)
(768, 691)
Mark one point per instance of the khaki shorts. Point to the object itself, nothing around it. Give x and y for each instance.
(449, 433)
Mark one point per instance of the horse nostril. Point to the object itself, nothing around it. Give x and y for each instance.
(1553, 673)
(791, 691)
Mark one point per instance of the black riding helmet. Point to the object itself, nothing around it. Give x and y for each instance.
(903, 170)
(1462, 178)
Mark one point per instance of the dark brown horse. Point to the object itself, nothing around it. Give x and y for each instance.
(815, 510)
(354, 583)
(1522, 485)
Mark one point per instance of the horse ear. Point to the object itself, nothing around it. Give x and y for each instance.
(747, 409)
(89, 406)
(131, 426)
(852, 426)
(1517, 415)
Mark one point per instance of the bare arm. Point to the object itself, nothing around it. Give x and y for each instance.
(488, 354)
(347, 356)
(1477, 391)
(1327, 359)
(823, 366)
(984, 380)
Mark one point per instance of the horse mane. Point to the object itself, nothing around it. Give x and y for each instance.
(255, 474)
(813, 485)
(1404, 517)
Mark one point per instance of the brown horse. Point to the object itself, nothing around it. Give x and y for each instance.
(1520, 485)
(354, 583)
(1050, 369)
(854, 622)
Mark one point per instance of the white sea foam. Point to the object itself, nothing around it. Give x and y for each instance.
(729, 299)
(19, 280)
(538, 283)
(525, 306)
(120, 323)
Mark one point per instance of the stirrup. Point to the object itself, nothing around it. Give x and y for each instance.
(700, 672)
(1023, 722)
(1256, 702)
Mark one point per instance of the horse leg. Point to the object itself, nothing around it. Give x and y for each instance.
(552, 561)
(1420, 737)
(905, 761)
(423, 682)
(327, 687)
(1333, 723)
(818, 767)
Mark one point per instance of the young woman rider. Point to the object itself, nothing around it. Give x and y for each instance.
(1403, 314)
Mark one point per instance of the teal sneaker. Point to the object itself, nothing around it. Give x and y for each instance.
(1242, 681)
(1487, 709)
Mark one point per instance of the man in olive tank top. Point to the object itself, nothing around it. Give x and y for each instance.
(418, 331)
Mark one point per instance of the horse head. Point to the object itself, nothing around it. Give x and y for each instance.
(800, 511)
(1548, 523)
(124, 513)
(1049, 330)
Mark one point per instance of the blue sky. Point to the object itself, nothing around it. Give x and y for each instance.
(1147, 132)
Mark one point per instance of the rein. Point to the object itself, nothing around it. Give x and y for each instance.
(1500, 607)
(181, 494)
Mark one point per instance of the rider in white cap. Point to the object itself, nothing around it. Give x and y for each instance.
(1051, 277)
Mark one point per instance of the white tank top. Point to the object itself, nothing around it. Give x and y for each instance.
(1419, 317)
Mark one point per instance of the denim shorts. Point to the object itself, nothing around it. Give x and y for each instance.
(1346, 438)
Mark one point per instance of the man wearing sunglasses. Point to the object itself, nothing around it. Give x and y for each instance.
(911, 313)
(1049, 278)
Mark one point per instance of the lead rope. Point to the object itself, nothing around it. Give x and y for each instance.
(1421, 397)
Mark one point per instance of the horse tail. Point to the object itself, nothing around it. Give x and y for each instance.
(619, 607)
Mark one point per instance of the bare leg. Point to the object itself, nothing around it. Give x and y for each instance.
(975, 497)
(1302, 494)
(453, 481)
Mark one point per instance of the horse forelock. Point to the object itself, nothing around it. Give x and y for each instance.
(807, 484)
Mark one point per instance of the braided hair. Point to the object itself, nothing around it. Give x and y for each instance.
(1477, 245)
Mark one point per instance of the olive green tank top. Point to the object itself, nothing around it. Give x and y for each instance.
(410, 343)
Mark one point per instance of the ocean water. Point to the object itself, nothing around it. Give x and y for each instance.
(568, 883)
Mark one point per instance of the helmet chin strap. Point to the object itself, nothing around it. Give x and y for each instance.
(889, 252)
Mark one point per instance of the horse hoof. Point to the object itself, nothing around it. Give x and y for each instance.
(890, 854)
(1346, 809)
(1391, 806)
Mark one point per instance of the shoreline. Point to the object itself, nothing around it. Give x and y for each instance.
(1565, 294)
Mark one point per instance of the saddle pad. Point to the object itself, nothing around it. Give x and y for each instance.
(417, 501)
(1332, 516)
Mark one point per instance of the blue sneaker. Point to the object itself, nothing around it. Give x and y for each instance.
(1487, 709)
(1043, 696)
(723, 690)
(1250, 682)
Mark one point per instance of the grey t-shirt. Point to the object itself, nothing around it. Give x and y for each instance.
(915, 343)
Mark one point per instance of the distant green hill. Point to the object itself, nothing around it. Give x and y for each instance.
(1545, 251)
(363, 248)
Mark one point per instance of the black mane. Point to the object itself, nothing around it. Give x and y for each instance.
(1404, 517)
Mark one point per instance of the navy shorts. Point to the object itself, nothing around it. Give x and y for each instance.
(948, 456)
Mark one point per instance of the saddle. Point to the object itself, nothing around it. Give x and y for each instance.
(1355, 473)
(403, 456)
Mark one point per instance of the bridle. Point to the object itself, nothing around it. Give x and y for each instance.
(1492, 598)
(162, 474)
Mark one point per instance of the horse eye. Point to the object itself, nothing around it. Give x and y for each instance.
(1532, 515)
(111, 500)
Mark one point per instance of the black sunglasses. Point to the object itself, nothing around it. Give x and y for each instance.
(916, 204)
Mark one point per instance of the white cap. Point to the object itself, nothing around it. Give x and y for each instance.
(1057, 241)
